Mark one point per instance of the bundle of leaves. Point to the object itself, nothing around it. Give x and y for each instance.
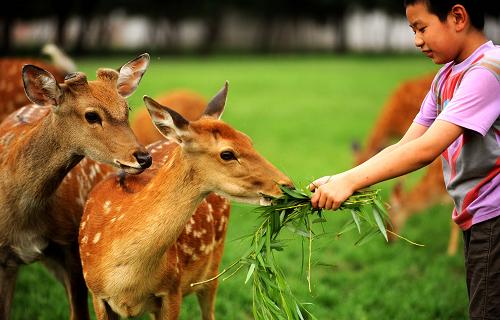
(272, 297)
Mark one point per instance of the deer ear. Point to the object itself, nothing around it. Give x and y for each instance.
(40, 86)
(131, 74)
(215, 107)
(170, 123)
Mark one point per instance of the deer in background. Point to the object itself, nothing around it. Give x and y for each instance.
(39, 145)
(140, 244)
(187, 103)
(392, 123)
(12, 96)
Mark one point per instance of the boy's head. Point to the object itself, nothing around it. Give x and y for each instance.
(441, 8)
(446, 30)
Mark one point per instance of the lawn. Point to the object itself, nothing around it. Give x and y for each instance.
(303, 113)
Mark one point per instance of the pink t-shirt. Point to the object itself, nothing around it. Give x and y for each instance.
(468, 95)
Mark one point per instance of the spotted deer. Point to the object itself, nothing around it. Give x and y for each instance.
(395, 118)
(185, 102)
(39, 145)
(12, 94)
(140, 244)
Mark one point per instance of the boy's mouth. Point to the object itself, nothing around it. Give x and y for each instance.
(428, 53)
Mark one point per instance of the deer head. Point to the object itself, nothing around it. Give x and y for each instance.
(93, 114)
(223, 156)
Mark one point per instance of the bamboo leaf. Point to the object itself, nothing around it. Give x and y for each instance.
(366, 237)
(380, 223)
(250, 272)
(355, 217)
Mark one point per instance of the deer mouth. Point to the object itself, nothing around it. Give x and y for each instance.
(128, 168)
(265, 200)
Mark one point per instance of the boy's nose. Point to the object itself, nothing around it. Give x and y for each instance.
(419, 42)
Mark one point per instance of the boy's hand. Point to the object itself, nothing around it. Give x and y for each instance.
(330, 191)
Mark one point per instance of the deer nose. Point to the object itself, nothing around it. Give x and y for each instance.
(143, 158)
(286, 183)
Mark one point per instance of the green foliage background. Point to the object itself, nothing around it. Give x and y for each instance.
(303, 113)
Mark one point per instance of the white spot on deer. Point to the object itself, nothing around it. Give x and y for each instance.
(210, 217)
(188, 228)
(222, 224)
(121, 216)
(113, 220)
(82, 226)
(84, 239)
(96, 237)
(187, 249)
(107, 207)
(199, 234)
(206, 249)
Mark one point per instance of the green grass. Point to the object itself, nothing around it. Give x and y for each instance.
(302, 114)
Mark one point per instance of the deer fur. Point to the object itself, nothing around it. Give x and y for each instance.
(39, 145)
(140, 244)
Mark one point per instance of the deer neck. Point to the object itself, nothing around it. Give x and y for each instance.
(46, 160)
(173, 196)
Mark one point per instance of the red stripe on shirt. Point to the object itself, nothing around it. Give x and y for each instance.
(464, 219)
(453, 162)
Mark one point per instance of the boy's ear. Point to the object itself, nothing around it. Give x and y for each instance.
(40, 86)
(460, 17)
(171, 124)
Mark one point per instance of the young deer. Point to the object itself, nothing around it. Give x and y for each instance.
(188, 104)
(133, 259)
(392, 123)
(39, 145)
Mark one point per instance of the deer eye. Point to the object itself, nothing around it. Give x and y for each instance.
(227, 155)
(92, 117)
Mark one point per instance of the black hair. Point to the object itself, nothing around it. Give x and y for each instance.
(441, 8)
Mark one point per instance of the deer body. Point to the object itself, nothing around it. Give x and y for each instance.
(140, 244)
(39, 145)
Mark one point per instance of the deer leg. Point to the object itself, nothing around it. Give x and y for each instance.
(453, 241)
(170, 306)
(206, 300)
(103, 310)
(64, 263)
(9, 266)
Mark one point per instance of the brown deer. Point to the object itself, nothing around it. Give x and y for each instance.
(39, 145)
(185, 102)
(392, 123)
(140, 244)
(11, 83)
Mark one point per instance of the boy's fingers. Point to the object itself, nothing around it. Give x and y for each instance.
(322, 201)
(314, 199)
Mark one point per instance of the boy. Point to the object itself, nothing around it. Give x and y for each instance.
(459, 120)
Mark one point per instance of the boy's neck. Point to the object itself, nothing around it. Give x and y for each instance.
(474, 40)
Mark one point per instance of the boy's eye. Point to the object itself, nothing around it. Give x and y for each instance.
(421, 30)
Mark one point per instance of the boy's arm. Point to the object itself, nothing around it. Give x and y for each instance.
(414, 131)
(407, 157)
